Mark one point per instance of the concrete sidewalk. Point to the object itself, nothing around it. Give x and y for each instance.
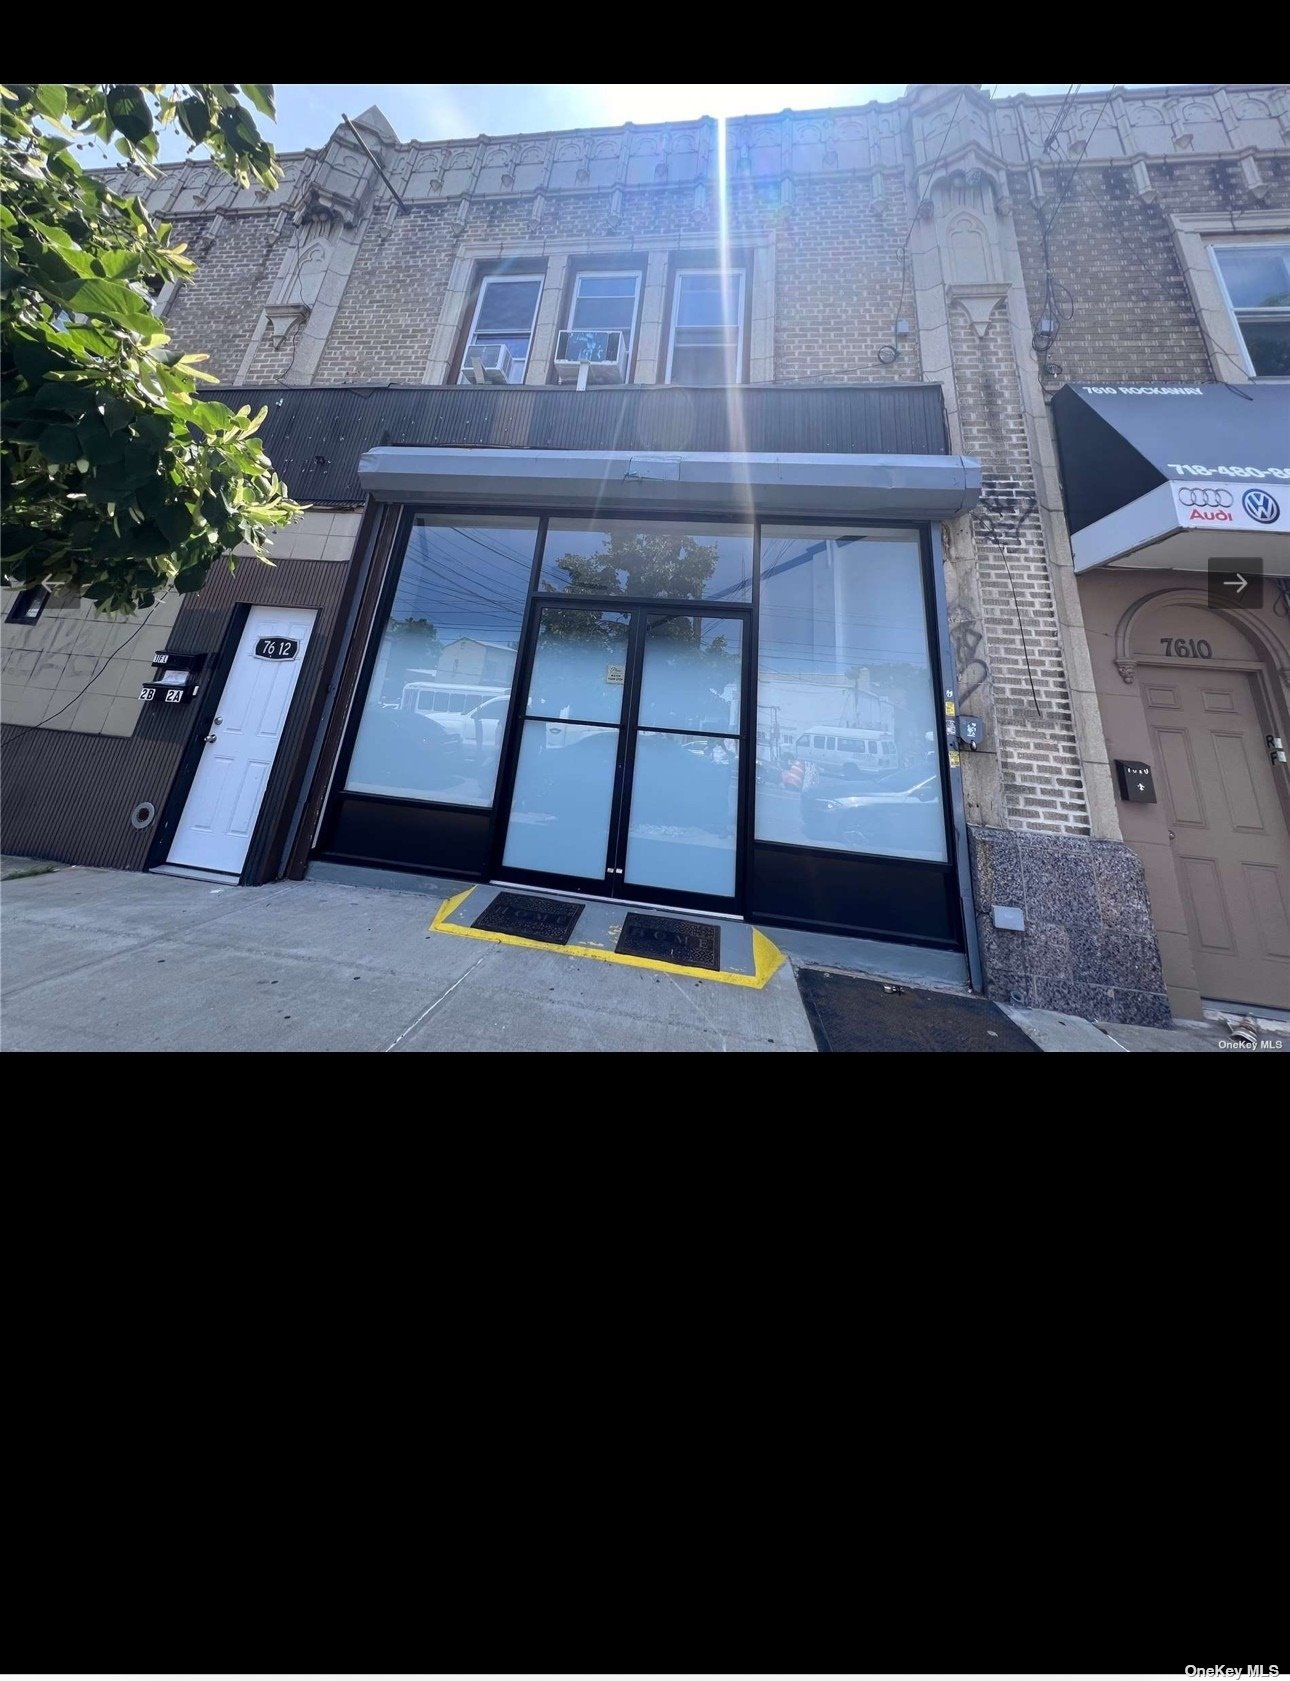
(109, 961)
(115, 961)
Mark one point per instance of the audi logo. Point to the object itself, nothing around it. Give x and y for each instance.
(1204, 496)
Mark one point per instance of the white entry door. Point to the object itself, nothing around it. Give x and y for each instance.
(228, 789)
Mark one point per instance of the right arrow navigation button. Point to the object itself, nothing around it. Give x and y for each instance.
(1233, 584)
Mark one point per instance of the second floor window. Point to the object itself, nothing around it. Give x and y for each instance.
(1256, 278)
(605, 302)
(707, 337)
(504, 315)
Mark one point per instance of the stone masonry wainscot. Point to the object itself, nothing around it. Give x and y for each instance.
(1088, 947)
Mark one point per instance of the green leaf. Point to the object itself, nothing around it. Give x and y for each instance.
(239, 130)
(129, 110)
(194, 117)
(211, 417)
(59, 444)
(176, 521)
(117, 265)
(115, 301)
(189, 581)
(51, 98)
(115, 481)
(35, 357)
(100, 446)
(261, 96)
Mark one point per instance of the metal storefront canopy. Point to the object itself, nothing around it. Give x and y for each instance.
(846, 486)
(1174, 476)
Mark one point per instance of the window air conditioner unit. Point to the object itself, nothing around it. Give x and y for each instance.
(605, 355)
(489, 364)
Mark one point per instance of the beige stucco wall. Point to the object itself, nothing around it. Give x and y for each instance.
(109, 656)
(1171, 604)
(74, 648)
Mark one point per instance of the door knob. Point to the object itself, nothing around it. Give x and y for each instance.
(209, 738)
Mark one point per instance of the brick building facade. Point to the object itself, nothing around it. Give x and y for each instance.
(995, 249)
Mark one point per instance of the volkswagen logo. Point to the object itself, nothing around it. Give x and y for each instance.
(1204, 496)
(1262, 506)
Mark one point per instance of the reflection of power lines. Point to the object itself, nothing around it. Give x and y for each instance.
(481, 573)
(450, 586)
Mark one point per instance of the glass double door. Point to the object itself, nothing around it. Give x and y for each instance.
(627, 768)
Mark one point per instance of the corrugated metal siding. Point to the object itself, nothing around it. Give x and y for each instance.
(69, 796)
(315, 435)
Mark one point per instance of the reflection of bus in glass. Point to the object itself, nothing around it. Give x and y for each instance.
(847, 752)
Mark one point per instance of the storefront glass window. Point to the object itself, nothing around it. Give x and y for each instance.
(564, 782)
(440, 693)
(653, 559)
(846, 709)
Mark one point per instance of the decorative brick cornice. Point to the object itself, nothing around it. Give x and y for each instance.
(938, 130)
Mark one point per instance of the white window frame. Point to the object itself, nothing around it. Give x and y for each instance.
(607, 274)
(1215, 246)
(486, 281)
(676, 310)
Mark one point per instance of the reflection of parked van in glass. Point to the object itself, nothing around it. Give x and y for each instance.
(440, 699)
(849, 752)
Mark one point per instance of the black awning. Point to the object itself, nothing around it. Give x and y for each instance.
(1117, 442)
(1208, 444)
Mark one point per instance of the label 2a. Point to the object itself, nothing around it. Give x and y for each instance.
(1186, 648)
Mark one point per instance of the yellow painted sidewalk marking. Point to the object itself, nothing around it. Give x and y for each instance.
(767, 956)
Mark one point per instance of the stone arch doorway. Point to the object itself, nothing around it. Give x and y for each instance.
(1212, 687)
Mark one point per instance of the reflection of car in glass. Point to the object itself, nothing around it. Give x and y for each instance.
(900, 809)
(580, 759)
(407, 749)
(568, 763)
(480, 727)
(697, 774)
(849, 752)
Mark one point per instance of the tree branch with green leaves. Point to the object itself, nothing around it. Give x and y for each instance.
(117, 479)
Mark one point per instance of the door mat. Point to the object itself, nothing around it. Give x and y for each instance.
(849, 1014)
(531, 917)
(738, 955)
(671, 939)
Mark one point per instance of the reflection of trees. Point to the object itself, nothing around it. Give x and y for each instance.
(573, 625)
(908, 687)
(648, 563)
(720, 662)
(411, 643)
